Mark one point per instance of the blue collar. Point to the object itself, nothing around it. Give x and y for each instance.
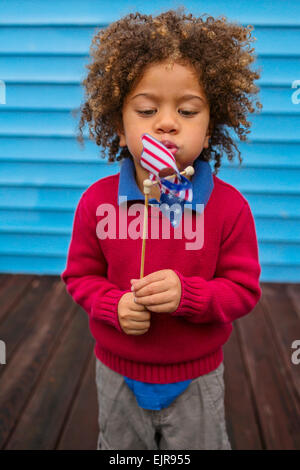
(202, 183)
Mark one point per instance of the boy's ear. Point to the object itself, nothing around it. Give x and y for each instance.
(208, 135)
(120, 132)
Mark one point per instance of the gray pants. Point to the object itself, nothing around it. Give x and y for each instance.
(194, 420)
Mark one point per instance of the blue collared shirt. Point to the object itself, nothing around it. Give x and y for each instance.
(202, 183)
(157, 396)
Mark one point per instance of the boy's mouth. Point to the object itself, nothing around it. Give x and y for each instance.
(170, 146)
(173, 150)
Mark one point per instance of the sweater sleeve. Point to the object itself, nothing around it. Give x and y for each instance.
(235, 289)
(85, 271)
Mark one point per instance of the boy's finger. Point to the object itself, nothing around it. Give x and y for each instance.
(137, 307)
(151, 289)
(145, 316)
(156, 299)
(162, 308)
(139, 283)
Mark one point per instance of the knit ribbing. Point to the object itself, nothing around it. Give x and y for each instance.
(106, 308)
(160, 373)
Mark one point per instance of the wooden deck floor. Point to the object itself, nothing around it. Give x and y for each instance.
(47, 386)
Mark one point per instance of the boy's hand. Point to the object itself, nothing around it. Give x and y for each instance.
(159, 291)
(133, 318)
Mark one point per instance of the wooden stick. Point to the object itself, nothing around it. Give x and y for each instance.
(147, 189)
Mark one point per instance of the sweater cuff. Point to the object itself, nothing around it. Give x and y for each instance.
(106, 308)
(194, 297)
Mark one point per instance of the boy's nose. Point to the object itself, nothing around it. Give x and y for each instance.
(166, 122)
(167, 127)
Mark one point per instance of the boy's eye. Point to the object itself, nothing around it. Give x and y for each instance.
(188, 113)
(149, 112)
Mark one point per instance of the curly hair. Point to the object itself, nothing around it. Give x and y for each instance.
(218, 50)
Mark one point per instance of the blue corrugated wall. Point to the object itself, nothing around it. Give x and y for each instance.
(43, 49)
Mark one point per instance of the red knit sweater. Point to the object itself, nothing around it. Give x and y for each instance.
(220, 283)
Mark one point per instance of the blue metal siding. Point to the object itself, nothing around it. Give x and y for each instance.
(43, 51)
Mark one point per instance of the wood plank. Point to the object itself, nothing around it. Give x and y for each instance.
(12, 288)
(22, 371)
(17, 325)
(242, 427)
(5, 277)
(285, 325)
(81, 428)
(43, 418)
(277, 408)
(293, 292)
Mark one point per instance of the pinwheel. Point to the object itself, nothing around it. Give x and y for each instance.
(159, 161)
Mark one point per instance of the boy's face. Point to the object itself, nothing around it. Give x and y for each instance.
(168, 114)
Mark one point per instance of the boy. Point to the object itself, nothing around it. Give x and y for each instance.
(159, 369)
